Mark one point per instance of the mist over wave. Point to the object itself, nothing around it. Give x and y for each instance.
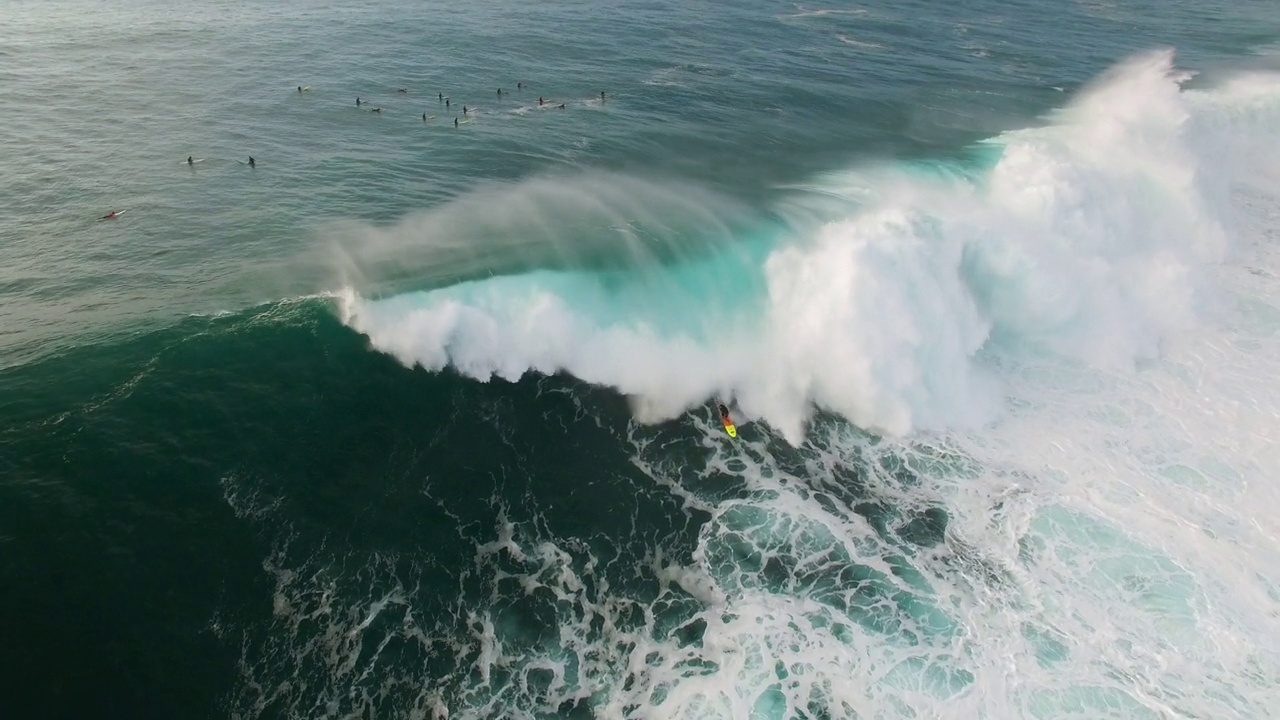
(592, 220)
(1086, 237)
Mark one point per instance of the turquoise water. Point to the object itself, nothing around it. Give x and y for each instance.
(417, 420)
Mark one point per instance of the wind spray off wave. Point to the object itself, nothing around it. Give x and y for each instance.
(1086, 237)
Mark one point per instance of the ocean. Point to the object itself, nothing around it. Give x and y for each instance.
(416, 419)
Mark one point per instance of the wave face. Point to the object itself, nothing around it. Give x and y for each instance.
(877, 299)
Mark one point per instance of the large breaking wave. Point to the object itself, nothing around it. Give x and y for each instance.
(878, 287)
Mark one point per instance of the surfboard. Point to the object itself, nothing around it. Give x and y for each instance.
(729, 427)
(193, 162)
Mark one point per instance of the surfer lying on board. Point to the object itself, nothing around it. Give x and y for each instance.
(110, 215)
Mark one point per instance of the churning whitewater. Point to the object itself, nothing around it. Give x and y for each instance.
(1064, 356)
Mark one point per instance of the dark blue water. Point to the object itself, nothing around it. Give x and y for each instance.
(412, 419)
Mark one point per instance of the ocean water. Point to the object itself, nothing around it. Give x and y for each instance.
(416, 420)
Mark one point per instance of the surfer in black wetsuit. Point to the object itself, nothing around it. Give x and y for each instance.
(464, 109)
(446, 102)
(403, 90)
(377, 110)
(190, 161)
(724, 414)
(601, 96)
(424, 117)
(561, 106)
(499, 92)
(441, 95)
(251, 163)
(455, 122)
(519, 86)
(357, 102)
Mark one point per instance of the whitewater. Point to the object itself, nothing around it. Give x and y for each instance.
(1055, 361)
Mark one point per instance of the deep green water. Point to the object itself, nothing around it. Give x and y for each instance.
(415, 420)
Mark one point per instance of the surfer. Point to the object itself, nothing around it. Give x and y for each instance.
(357, 102)
(190, 160)
(539, 100)
(251, 163)
(561, 106)
(440, 95)
(403, 90)
(455, 122)
(601, 96)
(377, 110)
(499, 92)
(729, 427)
(424, 117)
(109, 215)
(299, 88)
(464, 109)
(519, 86)
(446, 102)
